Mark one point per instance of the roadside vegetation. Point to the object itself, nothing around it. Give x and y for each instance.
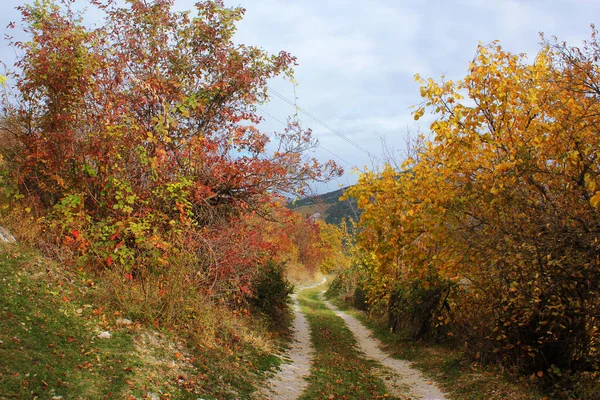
(138, 187)
(51, 343)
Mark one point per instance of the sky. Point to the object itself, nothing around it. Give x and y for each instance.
(357, 60)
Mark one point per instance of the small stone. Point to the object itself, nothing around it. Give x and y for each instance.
(152, 396)
(123, 322)
(104, 335)
(57, 397)
(6, 237)
(79, 311)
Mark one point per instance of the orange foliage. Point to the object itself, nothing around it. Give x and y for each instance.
(500, 209)
(141, 136)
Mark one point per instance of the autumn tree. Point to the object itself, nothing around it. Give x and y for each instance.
(138, 140)
(499, 212)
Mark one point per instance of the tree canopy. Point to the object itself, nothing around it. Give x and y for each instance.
(497, 219)
(138, 140)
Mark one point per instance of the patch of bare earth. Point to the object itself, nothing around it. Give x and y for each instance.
(165, 364)
(402, 380)
(290, 381)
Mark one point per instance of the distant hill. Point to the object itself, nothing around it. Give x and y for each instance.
(329, 206)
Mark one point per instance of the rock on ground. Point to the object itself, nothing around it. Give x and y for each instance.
(104, 335)
(6, 237)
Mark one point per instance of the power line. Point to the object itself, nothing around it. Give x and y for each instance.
(319, 144)
(324, 124)
(311, 199)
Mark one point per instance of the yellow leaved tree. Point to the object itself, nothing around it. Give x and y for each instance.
(492, 231)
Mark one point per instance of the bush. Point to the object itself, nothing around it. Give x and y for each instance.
(124, 176)
(418, 309)
(271, 291)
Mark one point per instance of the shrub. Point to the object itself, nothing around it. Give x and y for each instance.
(142, 129)
(271, 291)
(503, 197)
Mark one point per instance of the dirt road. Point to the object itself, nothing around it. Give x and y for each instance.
(402, 380)
(290, 381)
(403, 376)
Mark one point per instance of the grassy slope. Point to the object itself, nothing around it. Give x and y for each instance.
(46, 349)
(49, 345)
(339, 371)
(457, 376)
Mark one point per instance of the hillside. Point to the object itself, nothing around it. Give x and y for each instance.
(59, 337)
(331, 209)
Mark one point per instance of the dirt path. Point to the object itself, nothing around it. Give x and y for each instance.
(404, 376)
(290, 381)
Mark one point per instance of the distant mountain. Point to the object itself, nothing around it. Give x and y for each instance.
(328, 206)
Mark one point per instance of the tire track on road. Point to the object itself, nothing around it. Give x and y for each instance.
(404, 376)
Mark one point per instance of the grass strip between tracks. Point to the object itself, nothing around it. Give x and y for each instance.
(339, 370)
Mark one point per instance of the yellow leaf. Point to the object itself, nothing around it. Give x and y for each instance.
(419, 113)
(595, 199)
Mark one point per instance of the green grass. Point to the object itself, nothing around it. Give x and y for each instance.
(446, 365)
(46, 349)
(224, 375)
(339, 371)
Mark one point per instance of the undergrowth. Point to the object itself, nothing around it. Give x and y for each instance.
(50, 318)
